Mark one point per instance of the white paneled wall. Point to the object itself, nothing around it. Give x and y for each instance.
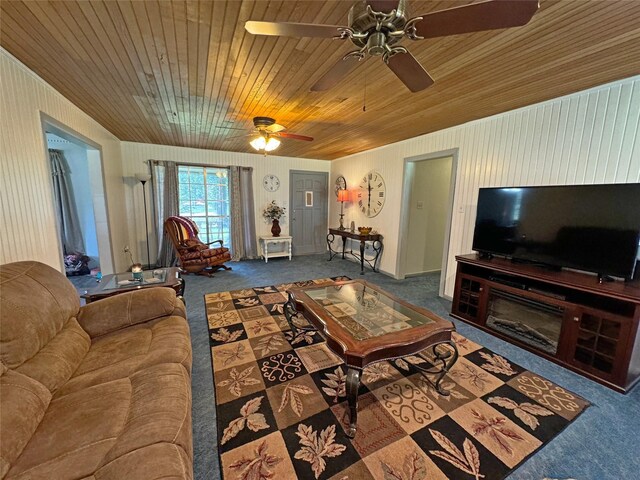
(587, 137)
(135, 154)
(27, 219)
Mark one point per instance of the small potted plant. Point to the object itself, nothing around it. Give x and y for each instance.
(273, 212)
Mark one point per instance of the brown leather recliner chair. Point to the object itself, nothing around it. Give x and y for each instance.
(194, 255)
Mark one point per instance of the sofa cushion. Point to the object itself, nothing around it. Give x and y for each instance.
(88, 429)
(162, 461)
(24, 402)
(130, 308)
(121, 353)
(58, 360)
(35, 306)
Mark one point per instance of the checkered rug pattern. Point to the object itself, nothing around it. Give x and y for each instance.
(281, 404)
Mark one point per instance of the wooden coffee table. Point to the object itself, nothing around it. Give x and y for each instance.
(117, 283)
(363, 324)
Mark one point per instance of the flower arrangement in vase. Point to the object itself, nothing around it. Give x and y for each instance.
(273, 212)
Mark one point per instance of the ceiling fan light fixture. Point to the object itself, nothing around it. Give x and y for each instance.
(272, 144)
(259, 143)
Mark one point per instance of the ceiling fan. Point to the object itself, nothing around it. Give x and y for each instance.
(267, 134)
(376, 27)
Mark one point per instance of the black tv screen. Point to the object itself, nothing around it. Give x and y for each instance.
(594, 228)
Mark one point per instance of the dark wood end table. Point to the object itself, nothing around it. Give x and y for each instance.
(363, 324)
(376, 238)
(123, 282)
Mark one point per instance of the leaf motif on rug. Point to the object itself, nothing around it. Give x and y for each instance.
(238, 380)
(231, 354)
(248, 302)
(469, 462)
(413, 468)
(461, 342)
(315, 448)
(497, 364)
(302, 336)
(496, 429)
(477, 378)
(377, 371)
(247, 292)
(335, 384)
(277, 308)
(224, 335)
(265, 290)
(248, 417)
(291, 396)
(524, 411)
(256, 468)
(217, 306)
(261, 325)
(269, 344)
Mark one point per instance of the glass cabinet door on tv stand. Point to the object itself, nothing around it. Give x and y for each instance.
(598, 342)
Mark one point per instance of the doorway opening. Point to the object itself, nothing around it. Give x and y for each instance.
(79, 203)
(425, 222)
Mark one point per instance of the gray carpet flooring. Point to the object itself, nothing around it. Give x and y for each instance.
(602, 444)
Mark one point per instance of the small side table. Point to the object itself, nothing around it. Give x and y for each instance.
(264, 244)
(109, 286)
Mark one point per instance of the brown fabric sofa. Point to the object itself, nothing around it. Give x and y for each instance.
(99, 392)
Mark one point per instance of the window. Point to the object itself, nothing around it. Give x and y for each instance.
(204, 197)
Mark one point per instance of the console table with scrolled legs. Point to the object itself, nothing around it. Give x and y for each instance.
(376, 238)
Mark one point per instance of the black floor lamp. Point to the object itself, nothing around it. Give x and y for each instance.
(143, 178)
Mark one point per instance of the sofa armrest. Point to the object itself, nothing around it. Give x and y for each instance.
(126, 309)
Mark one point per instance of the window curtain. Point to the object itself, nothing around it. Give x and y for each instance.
(165, 194)
(72, 240)
(243, 220)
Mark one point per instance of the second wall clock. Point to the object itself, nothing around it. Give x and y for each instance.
(372, 194)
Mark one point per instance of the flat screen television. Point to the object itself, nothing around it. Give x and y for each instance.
(594, 228)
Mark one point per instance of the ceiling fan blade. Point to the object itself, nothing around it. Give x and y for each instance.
(275, 128)
(486, 15)
(336, 73)
(410, 72)
(295, 136)
(285, 29)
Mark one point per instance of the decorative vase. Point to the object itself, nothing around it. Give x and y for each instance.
(275, 228)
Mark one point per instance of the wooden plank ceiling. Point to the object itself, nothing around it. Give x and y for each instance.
(188, 74)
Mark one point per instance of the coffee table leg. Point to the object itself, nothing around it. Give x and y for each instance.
(353, 384)
(289, 313)
(447, 359)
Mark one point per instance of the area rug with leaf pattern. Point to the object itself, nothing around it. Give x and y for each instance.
(281, 404)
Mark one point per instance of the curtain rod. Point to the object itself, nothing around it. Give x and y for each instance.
(208, 165)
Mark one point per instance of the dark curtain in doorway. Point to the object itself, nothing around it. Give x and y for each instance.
(70, 230)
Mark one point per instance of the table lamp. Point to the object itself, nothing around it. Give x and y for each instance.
(343, 196)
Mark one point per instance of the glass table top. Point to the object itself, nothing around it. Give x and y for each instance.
(365, 312)
(126, 280)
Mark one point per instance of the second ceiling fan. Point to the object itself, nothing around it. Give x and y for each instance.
(376, 26)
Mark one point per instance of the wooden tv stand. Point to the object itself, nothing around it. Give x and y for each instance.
(570, 318)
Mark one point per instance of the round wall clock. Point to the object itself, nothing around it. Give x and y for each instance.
(372, 194)
(341, 184)
(271, 183)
